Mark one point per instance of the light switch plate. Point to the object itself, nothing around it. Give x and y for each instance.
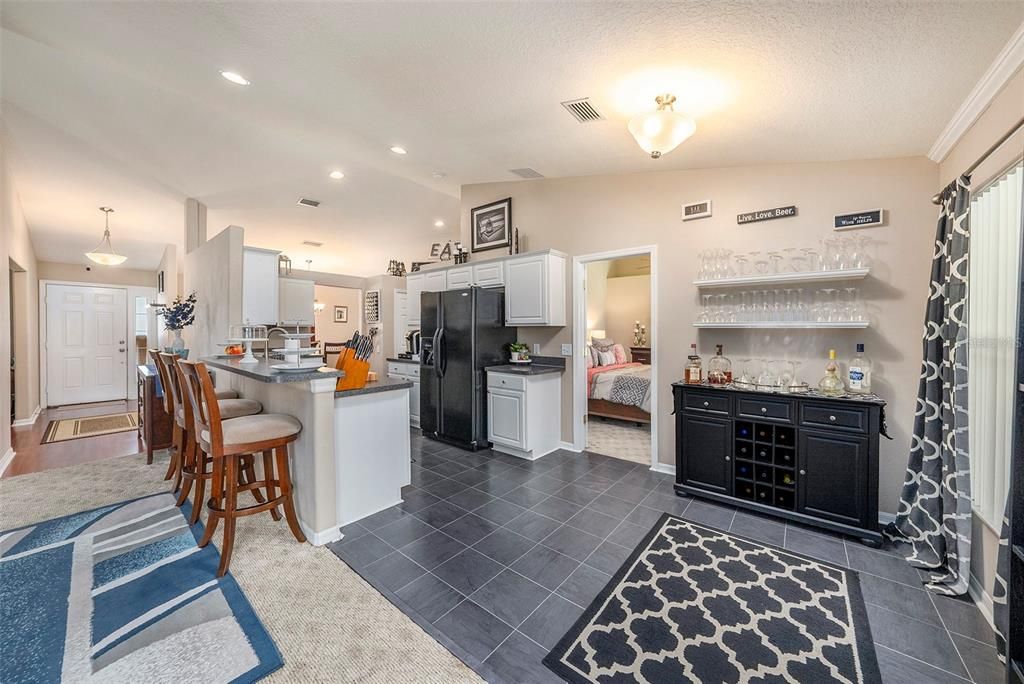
(536, 348)
(566, 350)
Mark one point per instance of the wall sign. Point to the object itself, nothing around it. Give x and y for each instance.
(697, 210)
(766, 214)
(859, 219)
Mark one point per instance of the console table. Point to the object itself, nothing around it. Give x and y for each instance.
(154, 423)
(808, 458)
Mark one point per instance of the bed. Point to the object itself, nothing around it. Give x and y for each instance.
(621, 390)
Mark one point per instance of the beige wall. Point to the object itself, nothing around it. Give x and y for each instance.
(16, 246)
(599, 213)
(627, 301)
(1004, 111)
(326, 329)
(214, 272)
(597, 291)
(94, 273)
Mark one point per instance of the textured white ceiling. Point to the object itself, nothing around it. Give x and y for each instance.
(121, 104)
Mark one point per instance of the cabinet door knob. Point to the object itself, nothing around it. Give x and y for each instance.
(764, 410)
(727, 458)
(832, 418)
(803, 472)
(706, 404)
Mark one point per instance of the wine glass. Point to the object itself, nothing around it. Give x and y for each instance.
(741, 264)
(863, 259)
(775, 259)
(813, 260)
(790, 253)
(705, 312)
(745, 379)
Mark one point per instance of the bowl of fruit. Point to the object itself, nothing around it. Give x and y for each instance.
(234, 349)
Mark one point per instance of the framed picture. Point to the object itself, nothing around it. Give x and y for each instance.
(341, 314)
(492, 225)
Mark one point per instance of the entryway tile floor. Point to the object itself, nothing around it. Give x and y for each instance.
(496, 557)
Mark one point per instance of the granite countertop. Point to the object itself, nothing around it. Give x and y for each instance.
(811, 394)
(262, 371)
(395, 359)
(379, 385)
(525, 369)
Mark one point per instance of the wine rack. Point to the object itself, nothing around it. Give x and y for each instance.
(765, 463)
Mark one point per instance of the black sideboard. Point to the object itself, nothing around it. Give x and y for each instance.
(807, 458)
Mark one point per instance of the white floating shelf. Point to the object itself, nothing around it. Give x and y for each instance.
(787, 325)
(786, 278)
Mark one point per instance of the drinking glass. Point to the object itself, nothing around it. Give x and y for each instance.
(741, 265)
(766, 305)
(829, 250)
(778, 302)
(854, 305)
(775, 258)
(863, 259)
(787, 372)
(705, 312)
(813, 261)
(745, 378)
(755, 305)
(744, 313)
(727, 271)
(795, 385)
(704, 267)
(789, 253)
(801, 312)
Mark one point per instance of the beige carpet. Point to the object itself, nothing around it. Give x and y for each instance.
(620, 439)
(328, 623)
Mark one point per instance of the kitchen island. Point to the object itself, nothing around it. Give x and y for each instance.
(352, 457)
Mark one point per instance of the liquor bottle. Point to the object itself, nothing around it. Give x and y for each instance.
(694, 374)
(719, 368)
(832, 385)
(860, 372)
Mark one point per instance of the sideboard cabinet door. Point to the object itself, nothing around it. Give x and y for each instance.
(706, 452)
(832, 477)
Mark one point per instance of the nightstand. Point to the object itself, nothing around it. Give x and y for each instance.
(641, 355)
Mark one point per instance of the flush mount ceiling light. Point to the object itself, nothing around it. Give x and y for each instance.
(398, 149)
(661, 131)
(336, 175)
(235, 78)
(439, 223)
(104, 254)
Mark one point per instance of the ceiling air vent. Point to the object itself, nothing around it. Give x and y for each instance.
(306, 202)
(582, 110)
(311, 243)
(527, 173)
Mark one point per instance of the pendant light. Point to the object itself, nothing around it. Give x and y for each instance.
(661, 131)
(104, 254)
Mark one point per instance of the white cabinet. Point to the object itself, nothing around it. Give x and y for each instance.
(435, 281)
(413, 290)
(295, 301)
(524, 413)
(409, 371)
(490, 274)
(259, 286)
(460, 277)
(535, 290)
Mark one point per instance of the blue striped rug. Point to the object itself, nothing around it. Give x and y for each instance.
(123, 593)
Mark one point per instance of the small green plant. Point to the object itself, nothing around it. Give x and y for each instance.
(519, 351)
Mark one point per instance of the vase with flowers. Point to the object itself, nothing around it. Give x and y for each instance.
(177, 316)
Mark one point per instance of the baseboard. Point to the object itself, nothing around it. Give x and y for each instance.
(885, 518)
(569, 446)
(30, 421)
(331, 534)
(664, 468)
(6, 460)
(981, 598)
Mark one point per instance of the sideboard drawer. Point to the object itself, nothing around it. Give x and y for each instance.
(776, 409)
(706, 401)
(825, 415)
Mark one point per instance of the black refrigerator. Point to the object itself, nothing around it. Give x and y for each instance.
(462, 331)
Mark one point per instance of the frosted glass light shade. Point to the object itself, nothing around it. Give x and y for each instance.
(660, 132)
(104, 254)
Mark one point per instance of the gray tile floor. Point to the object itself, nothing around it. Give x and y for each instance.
(496, 557)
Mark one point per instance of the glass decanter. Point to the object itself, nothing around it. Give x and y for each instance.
(832, 385)
(719, 368)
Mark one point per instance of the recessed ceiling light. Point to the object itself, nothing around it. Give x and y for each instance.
(337, 175)
(398, 149)
(439, 223)
(237, 79)
(438, 175)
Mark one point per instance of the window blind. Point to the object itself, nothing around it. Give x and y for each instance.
(992, 325)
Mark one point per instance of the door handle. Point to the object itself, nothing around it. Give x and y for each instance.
(121, 350)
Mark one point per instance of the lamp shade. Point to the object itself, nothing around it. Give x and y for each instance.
(661, 131)
(104, 254)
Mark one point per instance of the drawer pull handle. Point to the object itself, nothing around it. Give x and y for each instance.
(832, 418)
(803, 472)
(706, 404)
(764, 410)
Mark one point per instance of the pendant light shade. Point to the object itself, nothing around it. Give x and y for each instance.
(104, 254)
(661, 131)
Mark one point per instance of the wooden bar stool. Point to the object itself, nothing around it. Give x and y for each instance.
(229, 443)
(183, 438)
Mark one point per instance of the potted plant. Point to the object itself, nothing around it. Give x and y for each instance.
(519, 352)
(178, 315)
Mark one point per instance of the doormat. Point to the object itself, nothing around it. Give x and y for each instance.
(123, 593)
(89, 426)
(695, 604)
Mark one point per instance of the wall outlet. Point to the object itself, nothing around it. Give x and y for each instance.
(536, 348)
(566, 350)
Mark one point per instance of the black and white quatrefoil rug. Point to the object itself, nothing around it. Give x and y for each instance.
(693, 604)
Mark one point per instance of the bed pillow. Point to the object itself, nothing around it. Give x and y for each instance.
(602, 343)
(606, 358)
(620, 353)
(592, 355)
(589, 357)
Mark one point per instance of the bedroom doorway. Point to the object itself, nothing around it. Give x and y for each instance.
(615, 372)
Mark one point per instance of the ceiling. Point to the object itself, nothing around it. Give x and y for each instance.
(625, 267)
(121, 104)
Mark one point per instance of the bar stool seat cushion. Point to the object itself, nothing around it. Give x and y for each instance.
(232, 408)
(261, 428)
(227, 394)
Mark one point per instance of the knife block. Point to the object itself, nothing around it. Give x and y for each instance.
(355, 371)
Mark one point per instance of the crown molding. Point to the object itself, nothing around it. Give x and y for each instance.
(1006, 64)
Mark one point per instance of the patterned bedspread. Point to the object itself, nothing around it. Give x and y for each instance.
(628, 384)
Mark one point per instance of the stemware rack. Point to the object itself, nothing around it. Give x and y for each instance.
(787, 325)
(795, 278)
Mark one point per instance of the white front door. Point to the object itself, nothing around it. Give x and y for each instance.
(86, 344)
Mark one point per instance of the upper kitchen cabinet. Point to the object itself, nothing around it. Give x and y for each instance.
(460, 277)
(435, 281)
(413, 289)
(259, 285)
(295, 301)
(489, 274)
(535, 290)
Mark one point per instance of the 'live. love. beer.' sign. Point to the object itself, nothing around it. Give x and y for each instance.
(766, 214)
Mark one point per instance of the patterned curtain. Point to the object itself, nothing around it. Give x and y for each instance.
(1000, 610)
(935, 505)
